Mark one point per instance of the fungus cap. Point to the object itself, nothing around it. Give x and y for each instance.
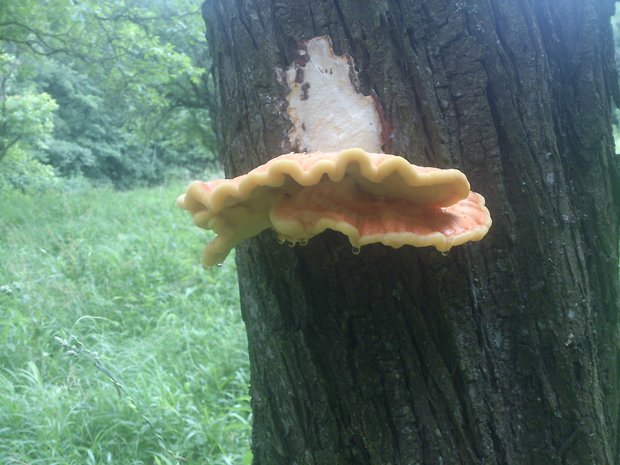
(369, 197)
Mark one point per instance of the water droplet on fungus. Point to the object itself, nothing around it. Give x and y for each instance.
(355, 250)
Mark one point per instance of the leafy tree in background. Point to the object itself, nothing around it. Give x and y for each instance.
(128, 78)
(26, 123)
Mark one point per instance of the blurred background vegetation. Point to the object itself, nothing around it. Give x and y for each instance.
(108, 91)
(116, 347)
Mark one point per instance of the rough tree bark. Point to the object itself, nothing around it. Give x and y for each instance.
(504, 351)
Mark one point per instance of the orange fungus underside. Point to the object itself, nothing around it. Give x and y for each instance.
(369, 197)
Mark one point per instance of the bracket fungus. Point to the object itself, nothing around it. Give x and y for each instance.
(369, 197)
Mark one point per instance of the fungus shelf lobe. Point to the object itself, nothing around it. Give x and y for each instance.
(369, 197)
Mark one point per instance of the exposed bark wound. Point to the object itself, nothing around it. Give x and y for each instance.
(505, 351)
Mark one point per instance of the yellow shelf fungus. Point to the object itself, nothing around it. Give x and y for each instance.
(369, 197)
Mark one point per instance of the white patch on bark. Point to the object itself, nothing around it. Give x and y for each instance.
(327, 111)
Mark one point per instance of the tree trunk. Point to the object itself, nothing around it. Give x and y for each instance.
(504, 351)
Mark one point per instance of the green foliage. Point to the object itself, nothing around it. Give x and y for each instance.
(26, 119)
(26, 125)
(117, 347)
(128, 77)
(19, 170)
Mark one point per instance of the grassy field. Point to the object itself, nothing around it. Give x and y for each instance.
(116, 347)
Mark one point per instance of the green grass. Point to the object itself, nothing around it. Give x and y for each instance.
(116, 347)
